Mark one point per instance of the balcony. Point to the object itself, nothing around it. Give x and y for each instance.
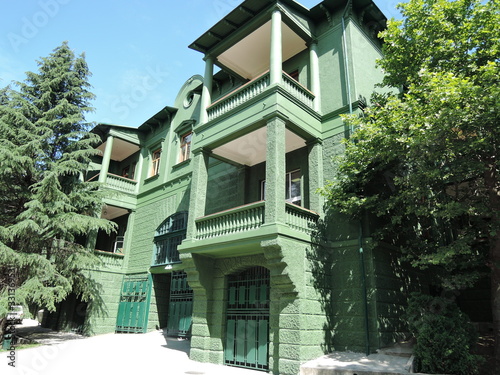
(118, 183)
(300, 219)
(254, 88)
(110, 260)
(250, 217)
(236, 220)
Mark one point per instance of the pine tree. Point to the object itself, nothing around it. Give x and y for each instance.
(46, 209)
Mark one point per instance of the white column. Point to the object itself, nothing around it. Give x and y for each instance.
(206, 94)
(138, 172)
(276, 53)
(314, 73)
(106, 158)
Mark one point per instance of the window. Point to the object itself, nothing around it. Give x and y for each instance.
(185, 147)
(132, 170)
(168, 236)
(292, 188)
(155, 166)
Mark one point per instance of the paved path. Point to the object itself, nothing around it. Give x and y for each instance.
(122, 354)
(111, 354)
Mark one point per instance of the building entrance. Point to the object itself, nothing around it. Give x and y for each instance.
(247, 321)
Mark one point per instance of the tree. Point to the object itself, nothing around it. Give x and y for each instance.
(424, 157)
(46, 208)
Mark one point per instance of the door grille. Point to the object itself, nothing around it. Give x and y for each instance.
(247, 321)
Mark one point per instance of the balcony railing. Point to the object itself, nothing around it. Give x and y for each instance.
(123, 184)
(297, 90)
(251, 216)
(300, 219)
(255, 87)
(239, 96)
(120, 183)
(239, 219)
(109, 259)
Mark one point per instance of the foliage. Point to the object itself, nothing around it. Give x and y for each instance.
(47, 210)
(424, 155)
(444, 336)
(424, 160)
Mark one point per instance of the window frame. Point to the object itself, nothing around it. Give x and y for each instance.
(168, 236)
(288, 187)
(155, 162)
(185, 147)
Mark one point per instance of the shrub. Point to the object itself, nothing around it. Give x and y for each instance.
(444, 336)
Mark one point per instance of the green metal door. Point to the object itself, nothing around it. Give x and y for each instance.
(247, 321)
(134, 305)
(180, 308)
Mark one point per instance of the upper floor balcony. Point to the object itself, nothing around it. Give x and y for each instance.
(118, 165)
(253, 89)
(254, 43)
(118, 183)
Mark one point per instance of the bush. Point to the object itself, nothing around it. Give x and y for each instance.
(444, 336)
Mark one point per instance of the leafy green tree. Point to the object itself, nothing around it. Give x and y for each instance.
(425, 158)
(46, 208)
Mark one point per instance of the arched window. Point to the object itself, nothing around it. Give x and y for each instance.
(168, 236)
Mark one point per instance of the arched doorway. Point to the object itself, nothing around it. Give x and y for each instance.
(247, 319)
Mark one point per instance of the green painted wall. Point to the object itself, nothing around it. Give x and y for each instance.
(107, 280)
(151, 212)
(225, 188)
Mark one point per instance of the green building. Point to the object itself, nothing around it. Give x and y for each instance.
(222, 235)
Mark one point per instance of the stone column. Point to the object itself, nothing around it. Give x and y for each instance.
(206, 94)
(276, 52)
(315, 166)
(275, 171)
(198, 195)
(314, 75)
(106, 158)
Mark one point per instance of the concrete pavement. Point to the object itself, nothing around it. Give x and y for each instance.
(119, 354)
(123, 354)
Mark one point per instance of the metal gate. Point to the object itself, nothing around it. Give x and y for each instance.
(134, 305)
(180, 308)
(247, 322)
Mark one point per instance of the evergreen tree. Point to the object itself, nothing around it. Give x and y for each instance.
(46, 209)
(425, 158)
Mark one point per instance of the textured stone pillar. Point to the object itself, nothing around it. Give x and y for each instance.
(275, 171)
(206, 94)
(198, 195)
(106, 158)
(276, 52)
(315, 166)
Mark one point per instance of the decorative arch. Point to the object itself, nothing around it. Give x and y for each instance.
(168, 236)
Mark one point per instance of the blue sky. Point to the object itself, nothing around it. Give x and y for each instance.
(137, 50)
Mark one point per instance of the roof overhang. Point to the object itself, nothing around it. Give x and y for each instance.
(240, 42)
